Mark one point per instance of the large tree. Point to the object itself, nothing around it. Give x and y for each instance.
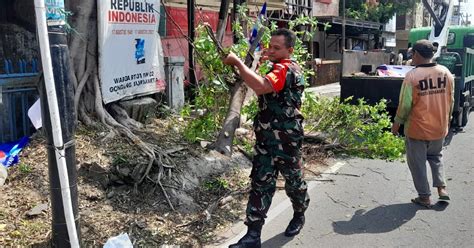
(377, 11)
(83, 46)
(88, 99)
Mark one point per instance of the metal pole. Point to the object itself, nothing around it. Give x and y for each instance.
(432, 13)
(192, 75)
(59, 123)
(223, 13)
(343, 45)
(459, 13)
(343, 25)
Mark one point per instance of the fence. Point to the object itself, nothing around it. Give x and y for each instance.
(18, 91)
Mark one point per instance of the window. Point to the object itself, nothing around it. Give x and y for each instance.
(451, 38)
(469, 40)
(401, 22)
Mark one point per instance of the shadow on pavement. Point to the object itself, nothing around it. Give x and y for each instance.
(384, 218)
(440, 206)
(277, 241)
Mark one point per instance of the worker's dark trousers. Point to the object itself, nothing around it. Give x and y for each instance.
(420, 151)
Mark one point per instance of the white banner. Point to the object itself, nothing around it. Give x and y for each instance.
(130, 53)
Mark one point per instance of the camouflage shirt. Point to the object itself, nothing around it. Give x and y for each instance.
(279, 120)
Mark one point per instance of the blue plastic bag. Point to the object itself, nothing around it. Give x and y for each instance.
(9, 151)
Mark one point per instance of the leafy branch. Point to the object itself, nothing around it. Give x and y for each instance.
(359, 129)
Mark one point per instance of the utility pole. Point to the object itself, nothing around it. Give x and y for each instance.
(467, 19)
(223, 13)
(191, 72)
(343, 45)
(459, 13)
(57, 94)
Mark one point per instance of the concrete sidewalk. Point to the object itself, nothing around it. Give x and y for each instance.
(368, 205)
(330, 90)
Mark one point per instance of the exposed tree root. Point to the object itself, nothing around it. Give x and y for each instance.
(122, 117)
(90, 67)
(90, 108)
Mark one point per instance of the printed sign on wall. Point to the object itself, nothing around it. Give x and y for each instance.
(130, 53)
(55, 14)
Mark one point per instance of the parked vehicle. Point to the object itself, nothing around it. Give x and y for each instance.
(374, 88)
(459, 37)
(455, 51)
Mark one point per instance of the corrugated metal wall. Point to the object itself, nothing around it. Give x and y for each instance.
(18, 92)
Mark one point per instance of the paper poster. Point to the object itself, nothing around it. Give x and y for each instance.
(130, 53)
(55, 14)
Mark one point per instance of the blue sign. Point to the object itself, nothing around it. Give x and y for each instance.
(140, 51)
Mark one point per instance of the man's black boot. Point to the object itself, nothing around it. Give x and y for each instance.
(251, 239)
(296, 224)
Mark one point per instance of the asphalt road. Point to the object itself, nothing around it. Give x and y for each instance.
(368, 205)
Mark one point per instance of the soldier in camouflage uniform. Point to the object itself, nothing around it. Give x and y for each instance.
(279, 136)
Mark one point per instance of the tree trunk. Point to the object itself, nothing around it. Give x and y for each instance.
(224, 141)
(83, 44)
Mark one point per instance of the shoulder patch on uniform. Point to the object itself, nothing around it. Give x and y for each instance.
(273, 77)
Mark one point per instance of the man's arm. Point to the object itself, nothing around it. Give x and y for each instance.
(405, 102)
(256, 82)
(404, 106)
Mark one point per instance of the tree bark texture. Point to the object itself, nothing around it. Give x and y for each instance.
(224, 141)
(83, 44)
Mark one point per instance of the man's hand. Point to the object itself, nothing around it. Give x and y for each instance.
(232, 59)
(395, 128)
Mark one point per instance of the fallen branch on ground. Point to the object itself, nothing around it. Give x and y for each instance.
(206, 215)
(340, 174)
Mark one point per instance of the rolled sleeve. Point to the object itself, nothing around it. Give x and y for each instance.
(405, 102)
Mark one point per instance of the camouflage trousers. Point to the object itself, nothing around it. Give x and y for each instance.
(267, 163)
